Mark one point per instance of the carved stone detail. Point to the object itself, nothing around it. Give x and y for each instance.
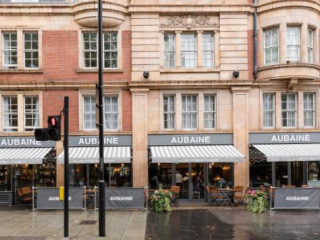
(190, 21)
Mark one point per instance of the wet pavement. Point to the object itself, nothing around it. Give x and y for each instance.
(233, 223)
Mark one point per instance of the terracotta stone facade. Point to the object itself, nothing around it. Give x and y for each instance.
(141, 26)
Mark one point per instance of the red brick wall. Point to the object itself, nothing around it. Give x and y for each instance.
(250, 54)
(126, 111)
(53, 101)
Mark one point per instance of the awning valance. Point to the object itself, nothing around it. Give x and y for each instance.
(290, 152)
(87, 155)
(185, 154)
(10, 156)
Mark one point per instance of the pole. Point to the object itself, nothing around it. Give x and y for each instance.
(66, 166)
(102, 216)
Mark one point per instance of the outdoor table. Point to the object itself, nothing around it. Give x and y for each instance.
(227, 196)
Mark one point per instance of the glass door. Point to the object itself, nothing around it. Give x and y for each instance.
(182, 179)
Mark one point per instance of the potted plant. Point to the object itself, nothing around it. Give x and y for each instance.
(257, 201)
(161, 201)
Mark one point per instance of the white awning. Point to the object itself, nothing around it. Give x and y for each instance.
(87, 155)
(9, 156)
(185, 154)
(290, 152)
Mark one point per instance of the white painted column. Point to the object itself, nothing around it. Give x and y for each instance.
(178, 48)
(199, 48)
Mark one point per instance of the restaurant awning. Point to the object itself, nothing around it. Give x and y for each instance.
(10, 156)
(290, 152)
(204, 153)
(87, 155)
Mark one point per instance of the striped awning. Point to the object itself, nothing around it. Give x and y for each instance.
(9, 156)
(290, 152)
(87, 155)
(186, 154)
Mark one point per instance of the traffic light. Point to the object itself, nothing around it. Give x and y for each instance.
(53, 132)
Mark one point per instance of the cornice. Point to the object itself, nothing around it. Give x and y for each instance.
(272, 5)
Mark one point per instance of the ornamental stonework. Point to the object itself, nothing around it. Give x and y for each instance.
(189, 22)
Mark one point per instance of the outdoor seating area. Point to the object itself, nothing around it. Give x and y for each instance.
(226, 196)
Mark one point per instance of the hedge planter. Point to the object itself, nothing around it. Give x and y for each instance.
(257, 201)
(161, 201)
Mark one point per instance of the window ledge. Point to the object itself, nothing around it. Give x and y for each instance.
(190, 70)
(95, 70)
(288, 65)
(17, 70)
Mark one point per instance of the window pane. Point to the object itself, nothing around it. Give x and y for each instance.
(189, 112)
(188, 50)
(89, 113)
(293, 43)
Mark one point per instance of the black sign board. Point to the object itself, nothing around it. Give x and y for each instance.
(48, 198)
(297, 198)
(124, 198)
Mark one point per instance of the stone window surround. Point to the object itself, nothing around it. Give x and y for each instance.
(20, 48)
(178, 109)
(81, 57)
(216, 60)
(304, 28)
(299, 110)
(21, 117)
(106, 93)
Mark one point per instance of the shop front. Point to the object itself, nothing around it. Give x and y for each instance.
(285, 159)
(84, 160)
(192, 162)
(25, 163)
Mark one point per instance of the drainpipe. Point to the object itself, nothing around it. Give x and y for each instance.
(255, 65)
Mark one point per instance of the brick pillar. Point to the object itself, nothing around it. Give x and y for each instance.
(139, 137)
(240, 134)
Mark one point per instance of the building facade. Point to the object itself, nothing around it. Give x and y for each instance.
(189, 87)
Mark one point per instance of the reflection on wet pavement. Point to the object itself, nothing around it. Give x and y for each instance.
(238, 224)
(193, 224)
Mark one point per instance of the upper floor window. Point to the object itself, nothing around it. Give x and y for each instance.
(268, 110)
(188, 50)
(10, 113)
(31, 50)
(309, 109)
(31, 113)
(9, 50)
(189, 112)
(293, 43)
(110, 50)
(310, 45)
(169, 50)
(207, 50)
(289, 110)
(168, 112)
(271, 46)
(209, 111)
(89, 113)
(111, 112)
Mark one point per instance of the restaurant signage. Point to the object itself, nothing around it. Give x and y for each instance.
(297, 198)
(188, 139)
(270, 138)
(24, 142)
(93, 141)
(124, 198)
(48, 198)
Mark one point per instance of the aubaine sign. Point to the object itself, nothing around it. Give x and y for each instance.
(93, 141)
(23, 142)
(188, 139)
(267, 138)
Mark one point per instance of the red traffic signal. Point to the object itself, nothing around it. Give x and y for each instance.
(53, 132)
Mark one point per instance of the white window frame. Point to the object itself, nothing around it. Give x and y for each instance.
(105, 51)
(10, 50)
(89, 50)
(31, 50)
(88, 113)
(310, 45)
(192, 113)
(10, 113)
(308, 110)
(189, 52)
(112, 113)
(169, 113)
(167, 64)
(292, 45)
(208, 51)
(289, 110)
(208, 111)
(265, 111)
(35, 112)
(273, 45)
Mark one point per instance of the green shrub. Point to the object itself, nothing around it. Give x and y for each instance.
(257, 201)
(161, 201)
